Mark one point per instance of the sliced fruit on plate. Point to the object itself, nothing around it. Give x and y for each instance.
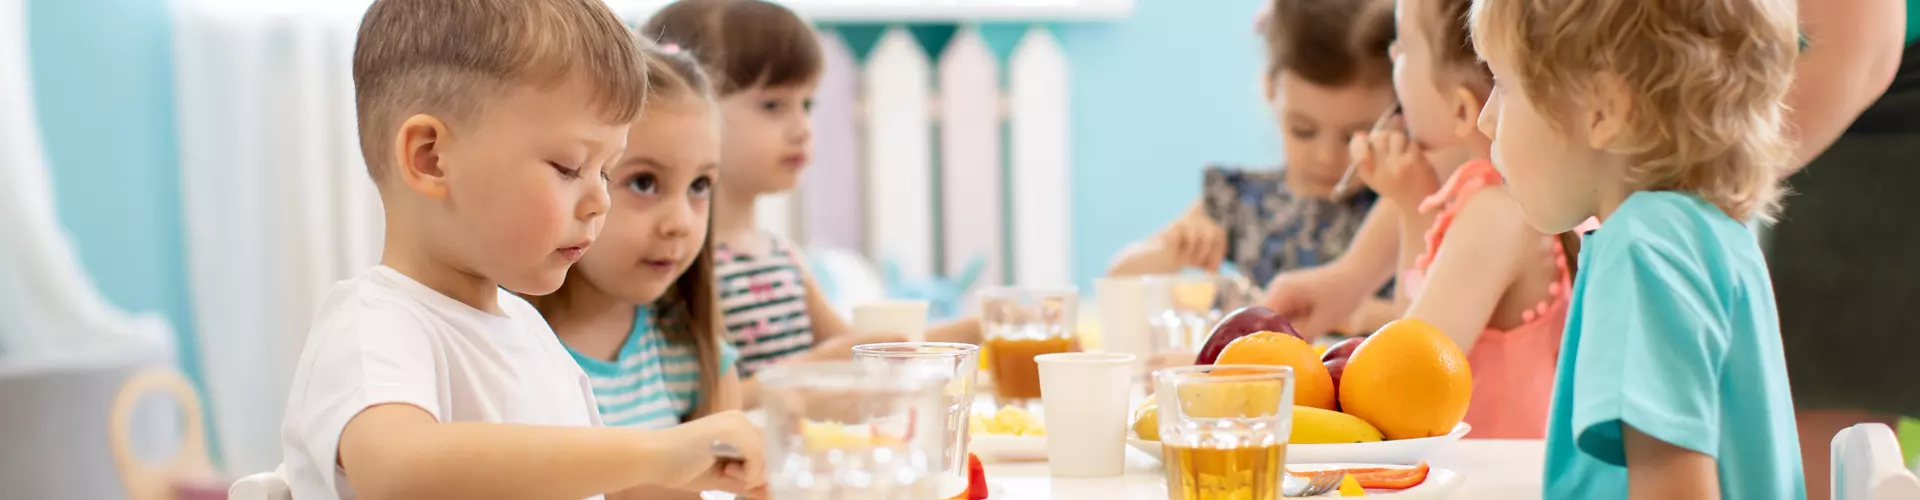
(1388, 478)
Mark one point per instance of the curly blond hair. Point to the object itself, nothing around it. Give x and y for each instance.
(1705, 79)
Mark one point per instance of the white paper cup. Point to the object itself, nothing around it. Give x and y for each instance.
(1124, 325)
(905, 317)
(1085, 399)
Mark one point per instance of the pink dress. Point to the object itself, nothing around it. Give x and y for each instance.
(1512, 369)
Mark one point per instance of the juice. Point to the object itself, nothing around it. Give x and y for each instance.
(1247, 473)
(1015, 376)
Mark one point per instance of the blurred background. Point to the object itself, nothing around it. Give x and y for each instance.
(180, 183)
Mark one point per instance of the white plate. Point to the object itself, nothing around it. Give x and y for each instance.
(1151, 448)
(1003, 448)
(994, 492)
(1401, 452)
(1440, 482)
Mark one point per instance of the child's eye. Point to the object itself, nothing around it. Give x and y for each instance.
(643, 183)
(565, 173)
(770, 106)
(701, 187)
(807, 105)
(1303, 133)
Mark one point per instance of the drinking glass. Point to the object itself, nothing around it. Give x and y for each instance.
(1020, 323)
(1224, 430)
(1182, 308)
(852, 430)
(957, 364)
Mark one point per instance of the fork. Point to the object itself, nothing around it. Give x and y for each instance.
(1318, 483)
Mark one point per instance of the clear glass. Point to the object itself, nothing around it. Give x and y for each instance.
(1224, 430)
(1020, 323)
(957, 364)
(852, 430)
(1182, 308)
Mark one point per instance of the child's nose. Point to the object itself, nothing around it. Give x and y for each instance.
(595, 203)
(677, 221)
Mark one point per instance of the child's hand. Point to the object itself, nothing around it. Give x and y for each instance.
(1316, 300)
(1393, 165)
(1196, 241)
(841, 346)
(690, 464)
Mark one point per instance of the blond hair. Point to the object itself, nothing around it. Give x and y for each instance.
(1704, 81)
(446, 57)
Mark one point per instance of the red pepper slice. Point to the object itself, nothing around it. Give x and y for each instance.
(1389, 478)
(976, 478)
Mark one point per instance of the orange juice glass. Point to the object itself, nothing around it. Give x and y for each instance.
(1224, 430)
(1020, 323)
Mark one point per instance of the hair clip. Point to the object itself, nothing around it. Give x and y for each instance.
(671, 48)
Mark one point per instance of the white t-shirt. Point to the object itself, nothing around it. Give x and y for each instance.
(382, 337)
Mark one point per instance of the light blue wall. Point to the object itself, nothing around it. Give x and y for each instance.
(103, 86)
(1156, 97)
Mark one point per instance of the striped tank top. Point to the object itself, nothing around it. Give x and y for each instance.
(764, 304)
(652, 383)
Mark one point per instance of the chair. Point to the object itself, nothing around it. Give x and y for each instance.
(270, 485)
(1867, 466)
(168, 479)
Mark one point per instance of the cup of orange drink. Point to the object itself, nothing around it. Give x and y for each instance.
(1020, 323)
(1224, 430)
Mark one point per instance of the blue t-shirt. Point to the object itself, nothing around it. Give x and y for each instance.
(652, 383)
(1672, 331)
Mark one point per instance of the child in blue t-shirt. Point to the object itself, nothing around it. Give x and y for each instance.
(1662, 119)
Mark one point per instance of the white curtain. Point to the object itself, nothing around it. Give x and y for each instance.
(276, 200)
(49, 309)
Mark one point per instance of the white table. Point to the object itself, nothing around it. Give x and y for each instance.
(1491, 469)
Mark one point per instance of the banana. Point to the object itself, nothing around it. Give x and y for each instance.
(1316, 426)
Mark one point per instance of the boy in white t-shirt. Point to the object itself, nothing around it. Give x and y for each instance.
(487, 126)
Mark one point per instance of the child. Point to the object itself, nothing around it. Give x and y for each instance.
(1470, 265)
(1663, 119)
(487, 126)
(637, 313)
(1327, 77)
(765, 63)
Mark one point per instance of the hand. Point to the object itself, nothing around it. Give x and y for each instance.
(689, 463)
(841, 346)
(1316, 300)
(1196, 240)
(1393, 165)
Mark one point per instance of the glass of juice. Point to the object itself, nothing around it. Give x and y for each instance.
(957, 364)
(1020, 323)
(1224, 429)
(852, 429)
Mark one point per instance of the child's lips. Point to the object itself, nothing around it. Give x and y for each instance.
(573, 253)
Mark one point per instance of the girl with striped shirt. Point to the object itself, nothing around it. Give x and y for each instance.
(765, 63)
(638, 311)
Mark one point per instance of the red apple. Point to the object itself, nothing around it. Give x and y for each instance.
(1336, 358)
(1240, 323)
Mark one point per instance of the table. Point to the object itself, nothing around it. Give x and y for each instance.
(1492, 469)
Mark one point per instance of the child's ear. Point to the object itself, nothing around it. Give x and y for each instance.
(418, 151)
(1607, 110)
(1467, 105)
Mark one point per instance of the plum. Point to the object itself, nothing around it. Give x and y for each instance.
(1240, 323)
(1336, 357)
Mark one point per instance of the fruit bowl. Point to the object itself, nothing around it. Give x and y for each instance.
(1401, 451)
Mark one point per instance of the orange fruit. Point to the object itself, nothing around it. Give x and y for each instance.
(1312, 385)
(1408, 379)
